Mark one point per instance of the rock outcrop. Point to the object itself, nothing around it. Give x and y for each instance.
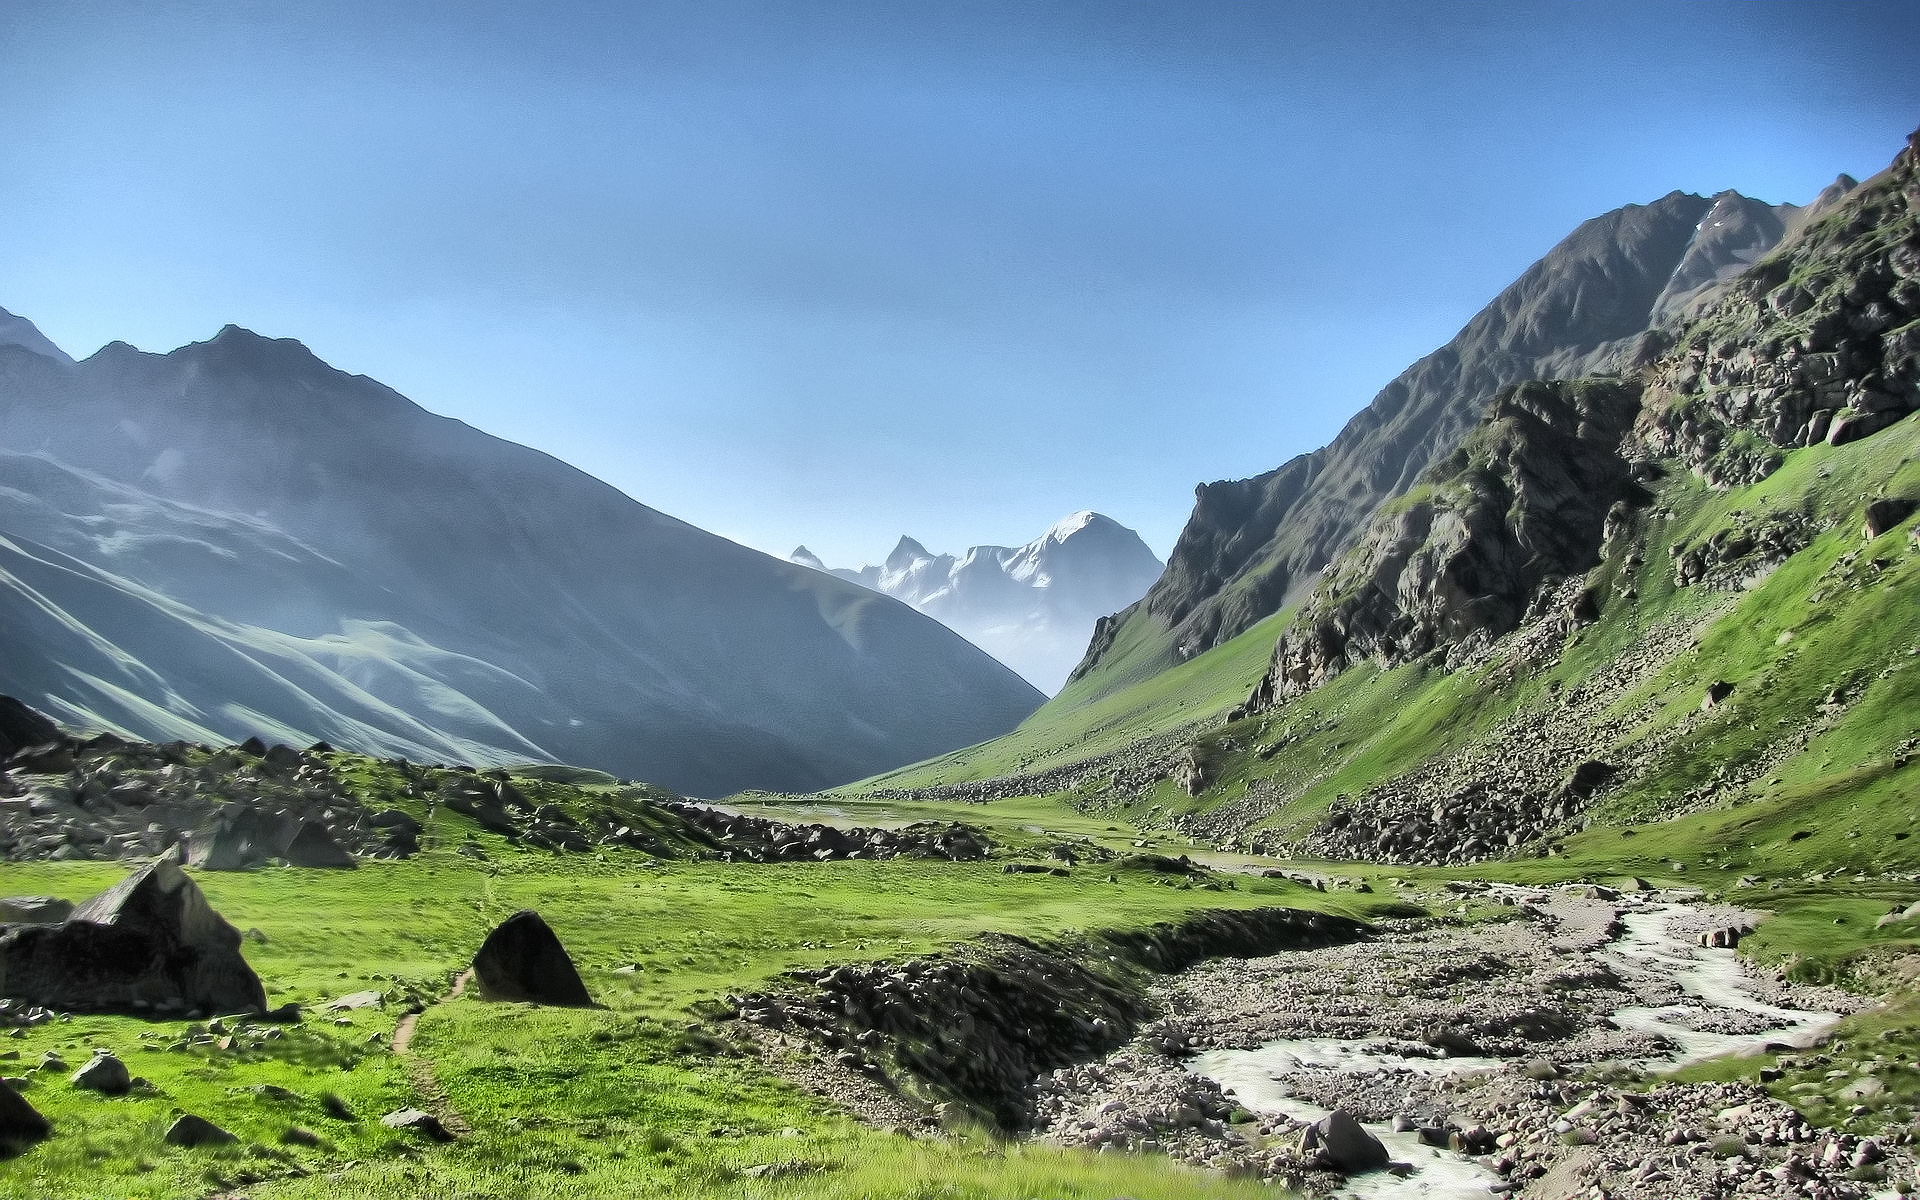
(1517, 509)
(149, 944)
(1818, 342)
(523, 960)
(1253, 545)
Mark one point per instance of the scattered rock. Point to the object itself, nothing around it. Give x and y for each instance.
(191, 1131)
(523, 960)
(104, 1074)
(415, 1121)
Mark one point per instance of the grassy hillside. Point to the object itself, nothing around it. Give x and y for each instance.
(640, 1097)
(1084, 721)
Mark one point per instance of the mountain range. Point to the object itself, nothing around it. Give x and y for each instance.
(1033, 607)
(235, 539)
(1591, 304)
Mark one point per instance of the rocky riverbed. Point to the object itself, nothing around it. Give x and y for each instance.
(1511, 1058)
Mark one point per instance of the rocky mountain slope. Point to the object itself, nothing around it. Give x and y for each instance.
(1033, 606)
(1254, 545)
(1676, 604)
(235, 539)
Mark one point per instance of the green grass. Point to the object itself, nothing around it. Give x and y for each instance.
(1073, 727)
(619, 1101)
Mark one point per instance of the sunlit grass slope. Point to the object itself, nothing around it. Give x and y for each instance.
(1078, 724)
(642, 1097)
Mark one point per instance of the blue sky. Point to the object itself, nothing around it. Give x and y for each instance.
(829, 273)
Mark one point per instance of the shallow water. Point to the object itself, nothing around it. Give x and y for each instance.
(1260, 1077)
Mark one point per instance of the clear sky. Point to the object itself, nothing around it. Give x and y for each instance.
(832, 272)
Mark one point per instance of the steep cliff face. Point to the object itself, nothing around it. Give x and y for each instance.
(1253, 545)
(1518, 509)
(1819, 342)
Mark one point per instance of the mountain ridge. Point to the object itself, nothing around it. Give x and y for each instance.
(481, 551)
(1253, 546)
(1032, 606)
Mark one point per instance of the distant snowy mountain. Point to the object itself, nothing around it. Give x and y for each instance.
(1032, 607)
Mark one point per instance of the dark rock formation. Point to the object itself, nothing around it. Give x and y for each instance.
(1887, 512)
(20, 1123)
(313, 846)
(1345, 1144)
(1252, 545)
(743, 838)
(522, 960)
(150, 943)
(1519, 507)
(1818, 342)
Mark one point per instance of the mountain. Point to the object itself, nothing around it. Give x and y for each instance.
(18, 331)
(235, 538)
(1254, 545)
(1032, 606)
(1651, 622)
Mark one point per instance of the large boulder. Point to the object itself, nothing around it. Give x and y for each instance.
(1347, 1144)
(313, 846)
(149, 943)
(523, 960)
(20, 1122)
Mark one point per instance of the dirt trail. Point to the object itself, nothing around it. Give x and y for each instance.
(425, 1082)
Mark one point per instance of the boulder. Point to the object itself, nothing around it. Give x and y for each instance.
(522, 960)
(191, 1131)
(1347, 1145)
(1885, 513)
(20, 1122)
(34, 910)
(105, 1074)
(423, 1123)
(313, 846)
(149, 943)
(21, 727)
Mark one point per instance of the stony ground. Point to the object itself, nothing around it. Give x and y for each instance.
(1533, 992)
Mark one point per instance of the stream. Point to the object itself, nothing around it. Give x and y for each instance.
(1712, 979)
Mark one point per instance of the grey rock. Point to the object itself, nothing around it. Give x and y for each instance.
(192, 1131)
(150, 942)
(1348, 1145)
(1887, 512)
(34, 910)
(414, 1120)
(105, 1074)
